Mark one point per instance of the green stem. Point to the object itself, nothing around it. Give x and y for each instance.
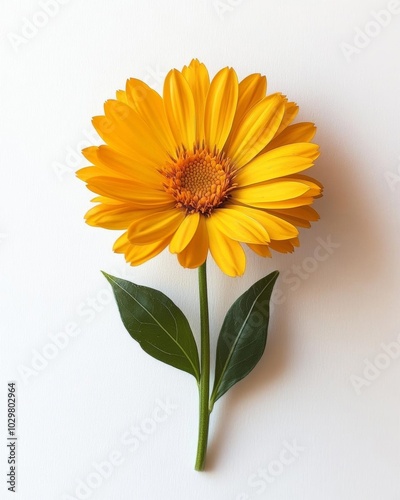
(204, 385)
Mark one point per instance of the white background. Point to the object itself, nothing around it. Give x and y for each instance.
(77, 409)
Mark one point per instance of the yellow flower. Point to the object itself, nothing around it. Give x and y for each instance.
(208, 166)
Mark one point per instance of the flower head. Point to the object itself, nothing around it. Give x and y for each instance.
(207, 167)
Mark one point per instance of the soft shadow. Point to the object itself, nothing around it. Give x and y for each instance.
(345, 214)
(269, 369)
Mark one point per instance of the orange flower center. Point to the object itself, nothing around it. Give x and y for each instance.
(198, 180)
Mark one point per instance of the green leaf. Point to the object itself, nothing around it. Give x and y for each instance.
(243, 336)
(159, 326)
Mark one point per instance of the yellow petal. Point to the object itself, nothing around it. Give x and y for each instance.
(121, 96)
(299, 215)
(85, 173)
(110, 216)
(262, 195)
(109, 162)
(155, 227)
(90, 153)
(251, 90)
(284, 246)
(293, 220)
(135, 254)
(227, 253)
(149, 105)
(195, 254)
(220, 108)
(291, 110)
(129, 167)
(264, 168)
(140, 141)
(184, 233)
(180, 109)
(316, 187)
(105, 200)
(256, 129)
(239, 225)
(124, 190)
(196, 75)
(284, 204)
(121, 215)
(122, 243)
(304, 149)
(300, 132)
(100, 168)
(278, 229)
(261, 250)
(108, 131)
(138, 255)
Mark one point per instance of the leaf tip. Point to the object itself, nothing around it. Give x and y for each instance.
(106, 275)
